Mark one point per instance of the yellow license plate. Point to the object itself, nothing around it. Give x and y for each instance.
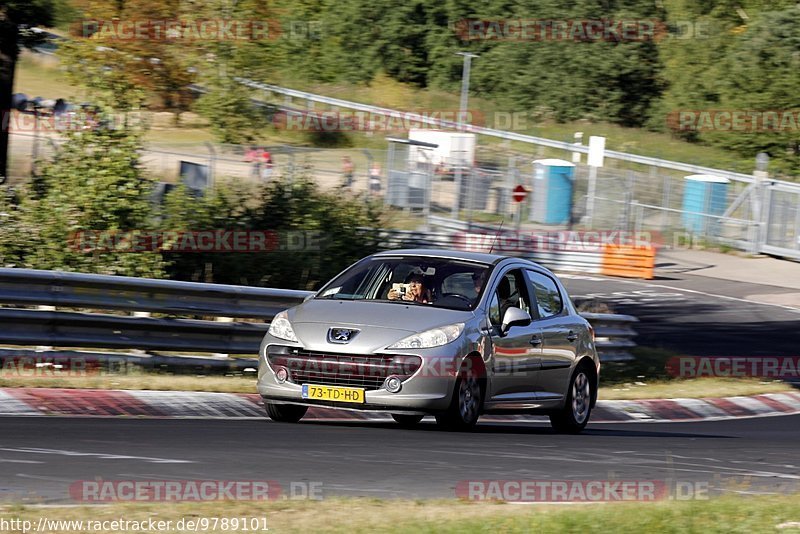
(333, 393)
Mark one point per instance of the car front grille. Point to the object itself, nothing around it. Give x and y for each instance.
(361, 371)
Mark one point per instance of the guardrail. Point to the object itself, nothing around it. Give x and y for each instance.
(216, 305)
(613, 335)
(628, 261)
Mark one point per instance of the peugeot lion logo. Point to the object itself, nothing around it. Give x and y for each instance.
(341, 335)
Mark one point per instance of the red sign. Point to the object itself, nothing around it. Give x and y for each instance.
(519, 193)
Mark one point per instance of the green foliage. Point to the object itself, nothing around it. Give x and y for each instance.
(232, 116)
(761, 72)
(736, 56)
(94, 184)
(317, 234)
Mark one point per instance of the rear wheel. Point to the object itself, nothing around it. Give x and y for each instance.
(575, 414)
(467, 402)
(407, 420)
(285, 413)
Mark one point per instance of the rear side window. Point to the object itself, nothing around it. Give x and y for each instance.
(548, 297)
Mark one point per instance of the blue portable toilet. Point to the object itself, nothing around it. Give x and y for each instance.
(552, 191)
(703, 194)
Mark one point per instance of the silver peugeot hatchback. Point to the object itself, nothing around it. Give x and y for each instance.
(419, 332)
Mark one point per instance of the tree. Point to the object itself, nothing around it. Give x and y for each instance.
(761, 72)
(13, 14)
(93, 190)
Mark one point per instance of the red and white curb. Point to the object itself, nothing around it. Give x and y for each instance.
(186, 404)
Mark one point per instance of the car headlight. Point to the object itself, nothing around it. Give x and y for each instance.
(434, 337)
(280, 327)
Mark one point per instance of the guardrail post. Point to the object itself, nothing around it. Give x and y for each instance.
(44, 348)
(223, 320)
(140, 352)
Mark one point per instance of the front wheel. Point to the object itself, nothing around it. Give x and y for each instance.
(466, 406)
(285, 413)
(575, 414)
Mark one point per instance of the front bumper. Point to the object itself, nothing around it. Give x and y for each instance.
(428, 390)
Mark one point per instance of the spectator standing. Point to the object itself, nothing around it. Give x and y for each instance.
(348, 169)
(268, 166)
(375, 179)
(253, 156)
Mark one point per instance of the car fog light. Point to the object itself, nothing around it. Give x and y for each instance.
(393, 384)
(281, 374)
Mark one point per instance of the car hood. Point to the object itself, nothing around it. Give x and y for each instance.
(380, 323)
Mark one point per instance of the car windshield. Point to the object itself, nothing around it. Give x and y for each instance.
(439, 282)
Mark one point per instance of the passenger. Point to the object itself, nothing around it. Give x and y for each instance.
(416, 290)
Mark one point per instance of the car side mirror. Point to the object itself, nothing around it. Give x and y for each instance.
(514, 317)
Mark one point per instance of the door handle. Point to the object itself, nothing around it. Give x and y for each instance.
(536, 340)
(572, 336)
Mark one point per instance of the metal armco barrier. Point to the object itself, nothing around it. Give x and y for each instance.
(613, 335)
(611, 259)
(38, 363)
(34, 327)
(78, 290)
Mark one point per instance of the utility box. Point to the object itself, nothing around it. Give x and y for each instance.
(703, 195)
(454, 149)
(553, 183)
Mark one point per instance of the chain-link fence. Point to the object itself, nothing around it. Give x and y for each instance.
(679, 206)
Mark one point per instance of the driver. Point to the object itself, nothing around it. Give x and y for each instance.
(478, 279)
(416, 290)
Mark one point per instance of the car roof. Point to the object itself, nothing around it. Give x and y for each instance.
(481, 257)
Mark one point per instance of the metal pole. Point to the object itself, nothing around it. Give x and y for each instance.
(590, 196)
(462, 110)
(35, 148)
(757, 206)
(369, 170)
(212, 163)
(387, 198)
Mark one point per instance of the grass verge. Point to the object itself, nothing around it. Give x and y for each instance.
(723, 515)
(692, 388)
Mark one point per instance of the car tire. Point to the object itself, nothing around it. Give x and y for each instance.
(407, 420)
(465, 408)
(285, 413)
(573, 418)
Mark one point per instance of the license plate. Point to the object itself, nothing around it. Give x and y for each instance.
(333, 393)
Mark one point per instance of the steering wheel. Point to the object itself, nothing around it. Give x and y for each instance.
(458, 295)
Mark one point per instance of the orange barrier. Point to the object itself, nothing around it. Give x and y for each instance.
(629, 261)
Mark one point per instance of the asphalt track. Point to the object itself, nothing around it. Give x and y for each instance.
(693, 315)
(41, 457)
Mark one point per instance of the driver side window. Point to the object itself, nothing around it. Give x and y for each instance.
(511, 291)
